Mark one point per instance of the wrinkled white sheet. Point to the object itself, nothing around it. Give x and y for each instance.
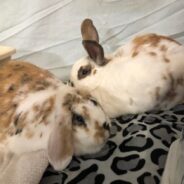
(47, 32)
(19, 169)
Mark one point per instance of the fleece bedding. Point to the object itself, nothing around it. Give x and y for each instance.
(135, 154)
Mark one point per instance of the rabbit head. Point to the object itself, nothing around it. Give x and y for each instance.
(84, 131)
(90, 126)
(63, 121)
(85, 71)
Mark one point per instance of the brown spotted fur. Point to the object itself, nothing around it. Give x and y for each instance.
(153, 40)
(99, 133)
(15, 76)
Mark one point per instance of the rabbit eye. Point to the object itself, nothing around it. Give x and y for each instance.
(78, 120)
(71, 83)
(106, 126)
(84, 71)
(94, 102)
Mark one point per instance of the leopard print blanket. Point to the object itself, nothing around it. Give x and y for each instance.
(135, 153)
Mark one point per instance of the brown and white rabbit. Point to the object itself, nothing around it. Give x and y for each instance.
(146, 73)
(38, 111)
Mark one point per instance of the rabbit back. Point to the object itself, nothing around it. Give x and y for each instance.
(150, 69)
(26, 93)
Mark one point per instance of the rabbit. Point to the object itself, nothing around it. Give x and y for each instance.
(40, 112)
(145, 74)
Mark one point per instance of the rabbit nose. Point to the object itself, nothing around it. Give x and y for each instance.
(71, 83)
(106, 126)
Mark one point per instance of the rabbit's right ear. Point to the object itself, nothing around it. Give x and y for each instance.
(60, 146)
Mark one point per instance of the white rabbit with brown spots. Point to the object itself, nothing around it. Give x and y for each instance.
(144, 74)
(39, 112)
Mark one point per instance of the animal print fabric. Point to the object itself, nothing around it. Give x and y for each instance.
(135, 153)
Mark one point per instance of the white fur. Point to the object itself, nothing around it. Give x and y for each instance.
(127, 84)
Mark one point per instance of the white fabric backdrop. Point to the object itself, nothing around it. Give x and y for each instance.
(47, 32)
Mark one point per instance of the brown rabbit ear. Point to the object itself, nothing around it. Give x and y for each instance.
(60, 146)
(89, 31)
(95, 52)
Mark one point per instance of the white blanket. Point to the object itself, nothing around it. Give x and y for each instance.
(25, 169)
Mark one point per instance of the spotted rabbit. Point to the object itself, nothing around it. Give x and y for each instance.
(38, 111)
(145, 73)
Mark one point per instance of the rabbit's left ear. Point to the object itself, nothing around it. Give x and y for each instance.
(91, 42)
(95, 52)
(60, 146)
(88, 31)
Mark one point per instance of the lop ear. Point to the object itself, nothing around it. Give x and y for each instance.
(95, 52)
(60, 146)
